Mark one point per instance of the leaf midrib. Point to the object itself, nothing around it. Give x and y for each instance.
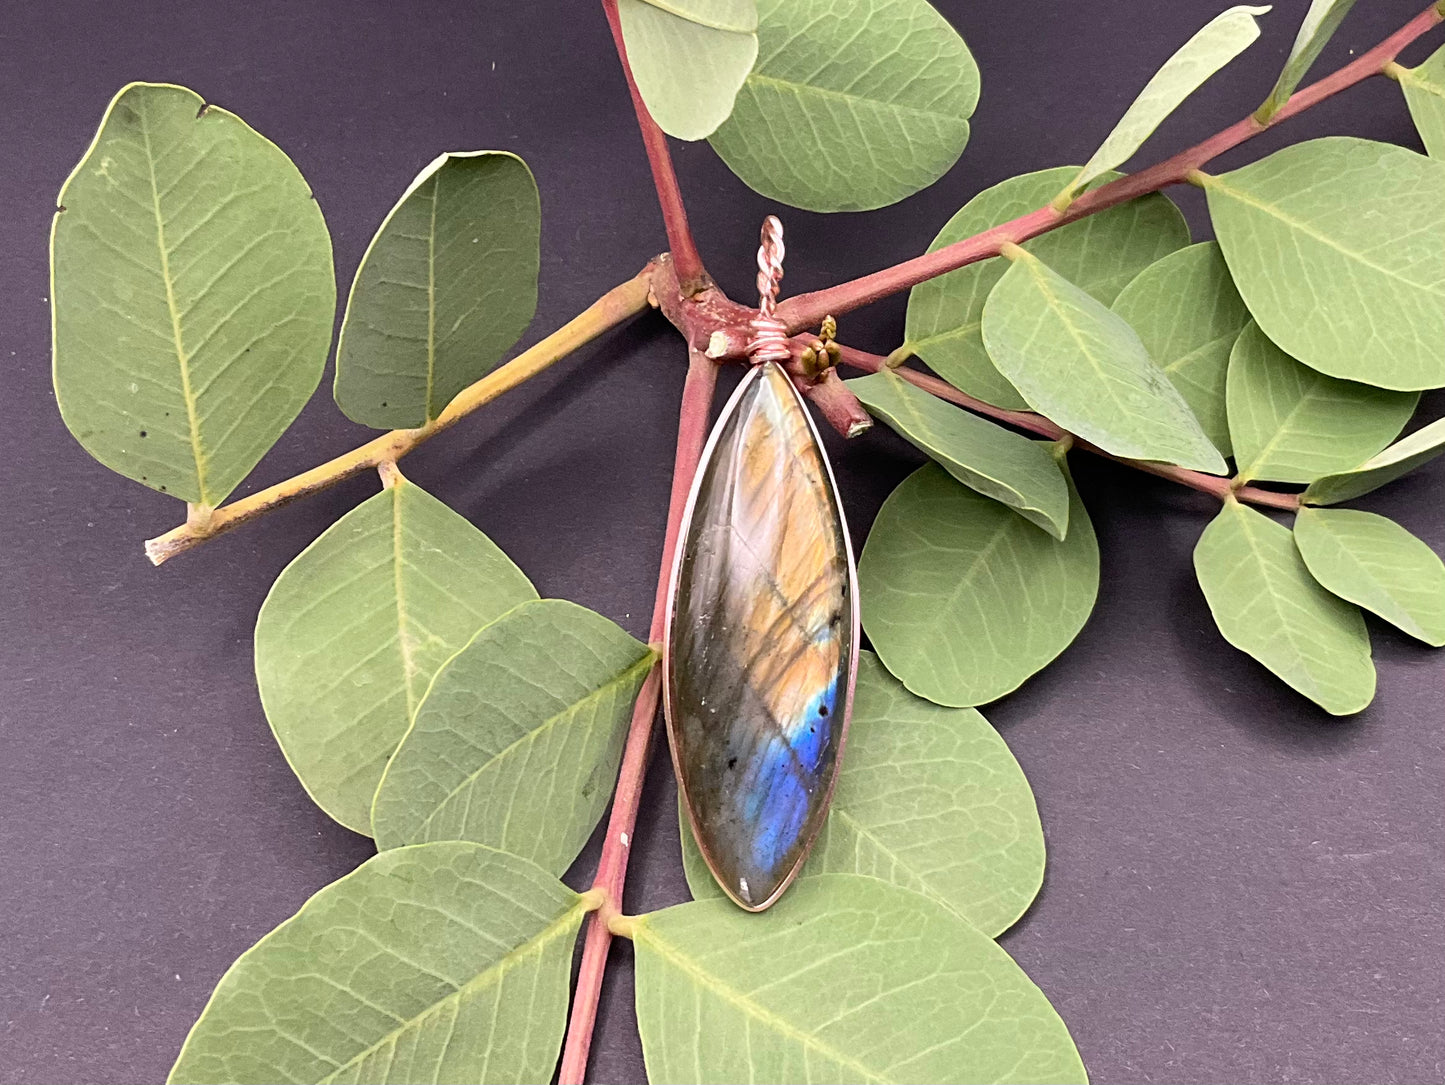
(486, 978)
(1273, 594)
(403, 642)
(1401, 614)
(198, 453)
(431, 296)
(1054, 302)
(1217, 182)
(644, 663)
(853, 100)
(925, 888)
(1260, 459)
(644, 933)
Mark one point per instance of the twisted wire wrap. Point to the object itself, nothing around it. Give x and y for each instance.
(770, 335)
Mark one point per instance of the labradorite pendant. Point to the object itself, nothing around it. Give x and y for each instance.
(762, 636)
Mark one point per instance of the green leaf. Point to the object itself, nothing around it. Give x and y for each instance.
(1400, 458)
(1377, 564)
(846, 978)
(1186, 312)
(1100, 253)
(996, 462)
(518, 740)
(962, 599)
(192, 294)
(356, 626)
(852, 105)
(928, 798)
(689, 58)
(1424, 89)
(1319, 26)
(446, 287)
(442, 962)
(1267, 605)
(1082, 366)
(1338, 247)
(1212, 47)
(1292, 424)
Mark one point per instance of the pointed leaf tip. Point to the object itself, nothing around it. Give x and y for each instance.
(1212, 47)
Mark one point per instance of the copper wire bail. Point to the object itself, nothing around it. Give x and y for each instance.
(770, 335)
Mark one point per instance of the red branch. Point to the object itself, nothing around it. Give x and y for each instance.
(612, 868)
(711, 323)
(807, 310)
(1217, 485)
(686, 260)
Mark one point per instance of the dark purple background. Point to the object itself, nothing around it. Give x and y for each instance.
(1240, 888)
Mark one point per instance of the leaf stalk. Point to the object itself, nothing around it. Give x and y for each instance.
(617, 305)
(1220, 487)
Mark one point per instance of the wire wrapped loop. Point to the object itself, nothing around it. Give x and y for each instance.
(770, 335)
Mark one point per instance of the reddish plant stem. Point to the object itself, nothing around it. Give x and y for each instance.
(1217, 485)
(806, 310)
(612, 867)
(686, 261)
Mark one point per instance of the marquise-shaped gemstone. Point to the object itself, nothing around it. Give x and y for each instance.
(762, 637)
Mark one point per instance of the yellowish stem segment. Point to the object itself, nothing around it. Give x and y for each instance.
(617, 305)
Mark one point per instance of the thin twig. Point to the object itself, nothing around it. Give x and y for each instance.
(612, 867)
(690, 272)
(618, 304)
(804, 311)
(1217, 485)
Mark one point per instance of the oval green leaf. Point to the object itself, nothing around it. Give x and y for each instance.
(1081, 365)
(928, 798)
(1293, 424)
(1377, 564)
(354, 628)
(1186, 312)
(518, 740)
(441, 962)
(851, 105)
(192, 294)
(963, 599)
(847, 978)
(1100, 253)
(1320, 23)
(446, 287)
(1267, 604)
(1400, 458)
(996, 462)
(689, 58)
(1424, 89)
(1213, 46)
(1338, 247)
